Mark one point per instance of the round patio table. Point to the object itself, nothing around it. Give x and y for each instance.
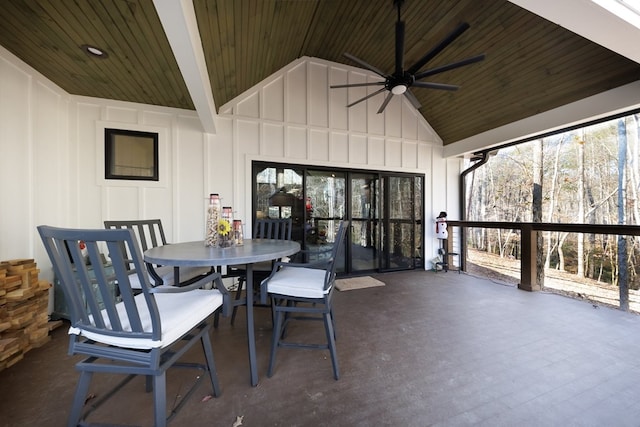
(196, 254)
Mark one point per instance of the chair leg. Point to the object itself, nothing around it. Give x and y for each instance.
(160, 399)
(328, 324)
(238, 294)
(287, 315)
(333, 323)
(213, 373)
(216, 317)
(275, 338)
(273, 313)
(79, 398)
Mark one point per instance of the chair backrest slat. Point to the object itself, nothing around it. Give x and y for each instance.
(338, 246)
(104, 294)
(149, 232)
(89, 287)
(142, 235)
(271, 228)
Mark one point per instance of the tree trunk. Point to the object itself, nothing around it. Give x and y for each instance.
(561, 252)
(590, 267)
(479, 190)
(622, 241)
(581, 179)
(634, 173)
(552, 201)
(538, 175)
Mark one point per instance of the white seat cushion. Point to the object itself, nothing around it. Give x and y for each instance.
(298, 282)
(166, 274)
(179, 313)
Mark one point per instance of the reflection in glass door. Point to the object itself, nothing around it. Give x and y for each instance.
(325, 205)
(365, 214)
(385, 210)
(401, 247)
(278, 194)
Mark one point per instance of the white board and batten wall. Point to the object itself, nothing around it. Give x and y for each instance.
(52, 152)
(294, 117)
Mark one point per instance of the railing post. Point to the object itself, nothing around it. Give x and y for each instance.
(529, 253)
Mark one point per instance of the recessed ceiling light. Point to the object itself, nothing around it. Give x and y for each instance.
(96, 52)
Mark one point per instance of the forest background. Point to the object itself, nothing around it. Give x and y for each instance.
(589, 175)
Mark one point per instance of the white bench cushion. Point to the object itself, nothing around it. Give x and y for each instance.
(179, 312)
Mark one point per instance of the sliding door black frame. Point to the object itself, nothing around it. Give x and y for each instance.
(383, 177)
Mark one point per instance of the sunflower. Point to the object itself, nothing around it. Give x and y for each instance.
(224, 227)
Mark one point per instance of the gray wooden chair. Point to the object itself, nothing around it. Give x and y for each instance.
(150, 234)
(140, 334)
(304, 291)
(266, 228)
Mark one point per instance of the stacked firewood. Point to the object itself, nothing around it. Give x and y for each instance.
(24, 301)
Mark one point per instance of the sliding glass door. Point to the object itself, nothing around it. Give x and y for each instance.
(325, 200)
(365, 215)
(402, 223)
(385, 211)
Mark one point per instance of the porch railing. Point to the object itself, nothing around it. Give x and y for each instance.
(528, 242)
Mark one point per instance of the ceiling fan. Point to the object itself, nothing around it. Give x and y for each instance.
(401, 80)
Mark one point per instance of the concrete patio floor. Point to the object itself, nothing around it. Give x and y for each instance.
(441, 349)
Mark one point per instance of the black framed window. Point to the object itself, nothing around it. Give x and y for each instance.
(131, 155)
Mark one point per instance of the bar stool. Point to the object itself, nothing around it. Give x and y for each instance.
(444, 252)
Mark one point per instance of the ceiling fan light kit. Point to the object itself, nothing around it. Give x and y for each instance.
(398, 89)
(401, 80)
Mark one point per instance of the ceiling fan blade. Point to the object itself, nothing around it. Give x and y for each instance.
(366, 97)
(364, 64)
(412, 99)
(461, 28)
(357, 85)
(430, 85)
(399, 47)
(451, 66)
(386, 101)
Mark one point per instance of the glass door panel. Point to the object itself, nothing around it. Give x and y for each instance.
(418, 208)
(385, 210)
(325, 203)
(278, 194)
(399, 242)
(365, 214)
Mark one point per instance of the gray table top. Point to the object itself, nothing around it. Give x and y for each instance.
(196, 254)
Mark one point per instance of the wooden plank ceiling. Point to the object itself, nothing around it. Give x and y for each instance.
(531, 65)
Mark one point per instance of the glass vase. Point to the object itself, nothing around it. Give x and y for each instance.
(225, 230)
(211, 224)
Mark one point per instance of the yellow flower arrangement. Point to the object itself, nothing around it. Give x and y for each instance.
(224, 227)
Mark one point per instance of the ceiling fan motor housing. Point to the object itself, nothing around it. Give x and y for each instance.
(399, 84)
